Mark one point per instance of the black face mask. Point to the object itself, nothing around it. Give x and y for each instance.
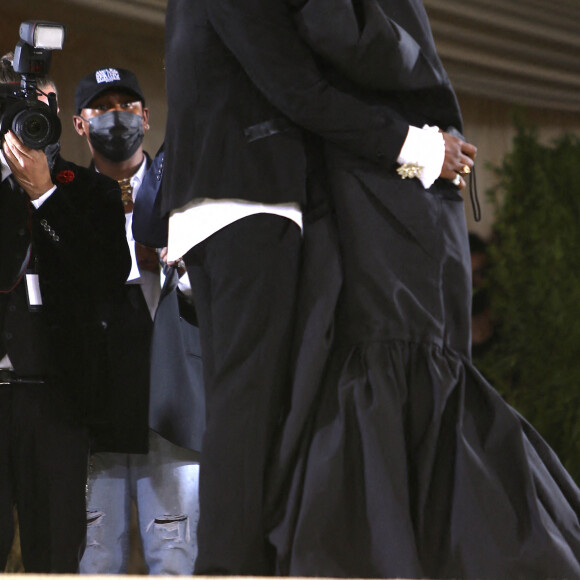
(116, 135)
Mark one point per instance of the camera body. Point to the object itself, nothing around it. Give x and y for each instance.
(34, 122)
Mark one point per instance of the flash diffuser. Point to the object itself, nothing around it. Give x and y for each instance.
(44, 35)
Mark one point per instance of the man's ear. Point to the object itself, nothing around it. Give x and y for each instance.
(145, 118)
(79, 125)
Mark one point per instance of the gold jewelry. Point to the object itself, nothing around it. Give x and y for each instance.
(126, 193)
(456, 180)
(409, 170)
(466, 170)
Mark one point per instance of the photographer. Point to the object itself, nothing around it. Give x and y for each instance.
(62, 254)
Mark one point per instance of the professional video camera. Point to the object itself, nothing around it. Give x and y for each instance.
(35, 123)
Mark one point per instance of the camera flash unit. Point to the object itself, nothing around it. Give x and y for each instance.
(44, 35)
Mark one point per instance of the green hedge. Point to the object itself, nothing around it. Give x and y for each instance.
(534, 283)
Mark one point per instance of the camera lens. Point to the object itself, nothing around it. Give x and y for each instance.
(33, 122)
(33, 128)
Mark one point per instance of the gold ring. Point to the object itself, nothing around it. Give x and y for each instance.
(466, 170)
(457, 180)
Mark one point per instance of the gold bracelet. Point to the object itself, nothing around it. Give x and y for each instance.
(409, 170)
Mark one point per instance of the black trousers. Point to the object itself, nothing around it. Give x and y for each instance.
(244, 281)
(43, 471)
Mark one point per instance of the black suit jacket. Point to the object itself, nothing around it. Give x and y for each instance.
(82, 261)
(240, 83)
(149, 226)
(243, 85)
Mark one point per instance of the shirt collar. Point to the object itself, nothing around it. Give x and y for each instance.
(138, 176)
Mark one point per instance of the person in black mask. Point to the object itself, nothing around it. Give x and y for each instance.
(63, 254)
(110, 110)
(132, 463)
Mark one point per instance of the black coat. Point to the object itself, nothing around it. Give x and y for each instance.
(82, 260)
(124, 425)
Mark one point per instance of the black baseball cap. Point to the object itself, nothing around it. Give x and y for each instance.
(105, 79)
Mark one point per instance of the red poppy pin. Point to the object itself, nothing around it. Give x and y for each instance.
(65, 176)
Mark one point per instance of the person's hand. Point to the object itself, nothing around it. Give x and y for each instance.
(29, 166)
(459, 159)
(179, 264)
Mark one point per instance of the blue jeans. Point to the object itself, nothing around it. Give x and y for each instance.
(164, 486)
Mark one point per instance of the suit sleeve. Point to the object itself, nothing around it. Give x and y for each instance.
(263, 37)
(79, 233)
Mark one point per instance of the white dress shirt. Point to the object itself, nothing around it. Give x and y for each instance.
(150, 281)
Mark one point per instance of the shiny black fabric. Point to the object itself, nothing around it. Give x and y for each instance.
(368, 45)
(177, 395)
(405, 463)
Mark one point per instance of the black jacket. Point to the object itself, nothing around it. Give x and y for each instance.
(244, 89)
(80, 253)
(124, 426)
(240, 84)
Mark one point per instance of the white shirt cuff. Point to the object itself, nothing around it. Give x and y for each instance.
(425, 148)
(39, 201)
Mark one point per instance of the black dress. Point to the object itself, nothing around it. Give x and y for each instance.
(405, 462)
